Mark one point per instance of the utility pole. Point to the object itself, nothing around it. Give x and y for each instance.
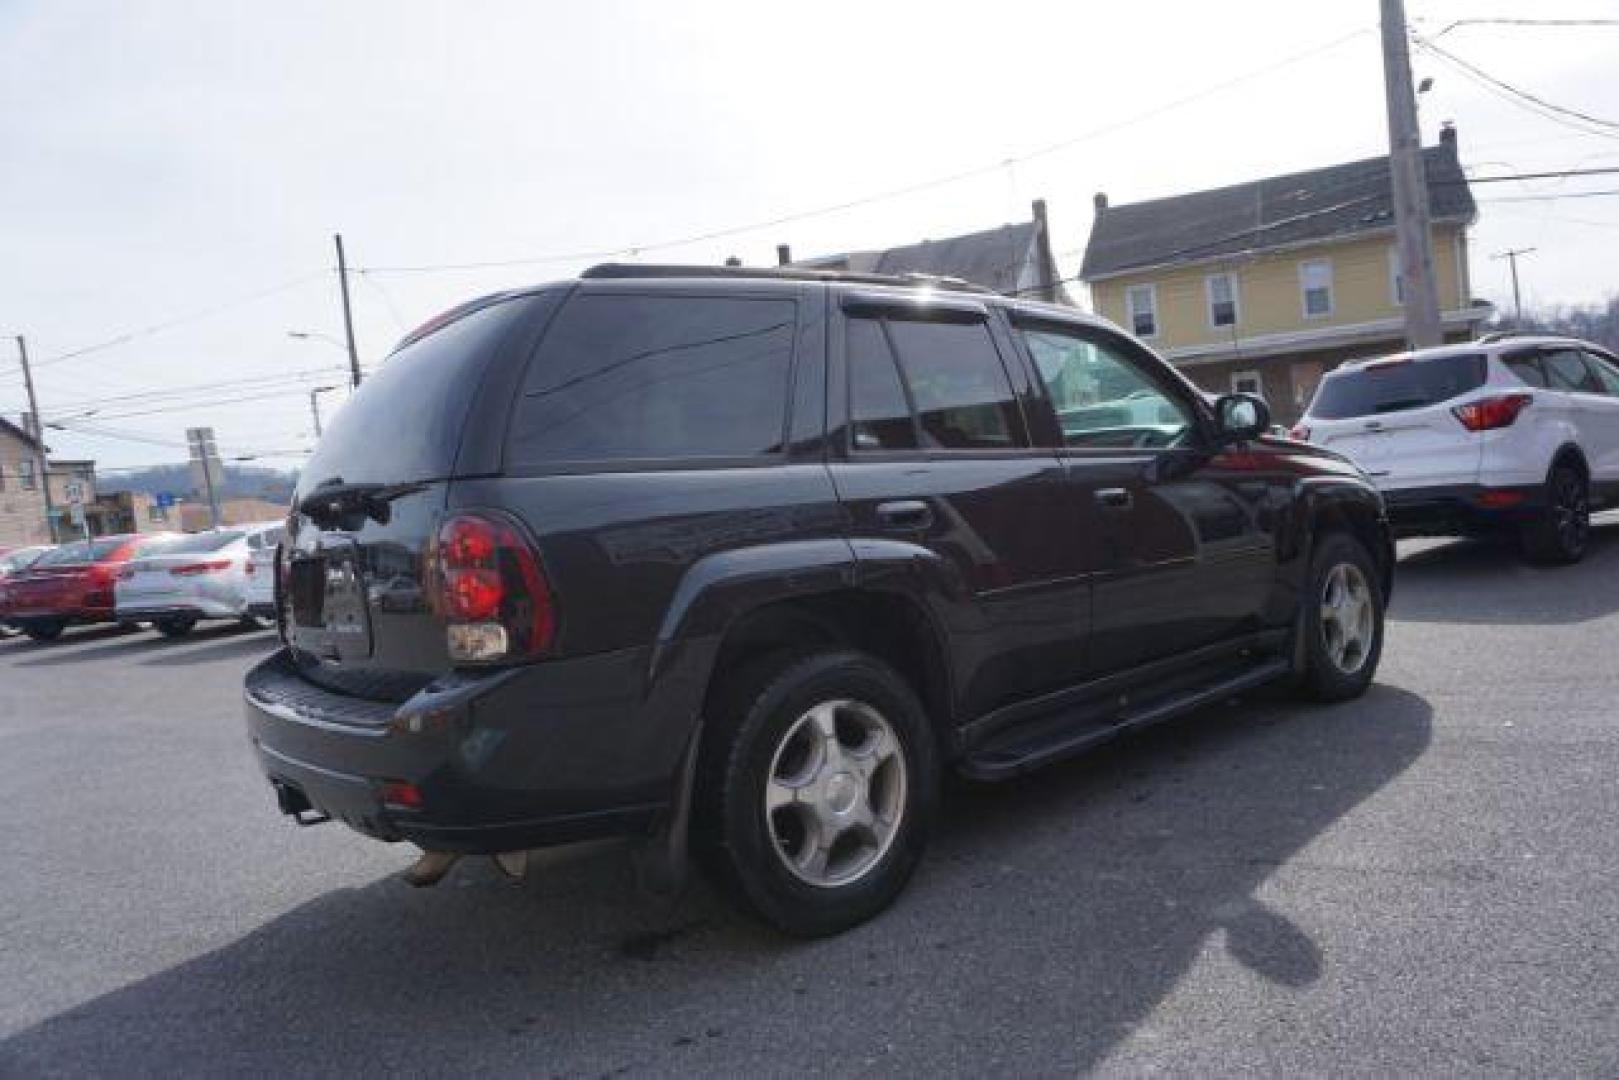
(1422, 328)
(348, 315)
(38, 432)
(1517, 298)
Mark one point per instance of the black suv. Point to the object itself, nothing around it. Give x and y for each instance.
(754, 556)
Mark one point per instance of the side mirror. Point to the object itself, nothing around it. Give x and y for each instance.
(1240, 417)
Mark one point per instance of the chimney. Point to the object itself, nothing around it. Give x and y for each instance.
(1100, 199)
(1046, 287)
(733, 261)
(1447, 135)
(784, 254)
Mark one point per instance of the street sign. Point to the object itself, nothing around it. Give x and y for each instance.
(164, 499)
(75, 493)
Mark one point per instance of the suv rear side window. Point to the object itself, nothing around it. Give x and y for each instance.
(1606, 371)
(657, 377)
(1396, 385)
(1566, 370)
(1526, 366)
(952, 375)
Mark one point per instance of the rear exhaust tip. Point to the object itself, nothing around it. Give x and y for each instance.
(430, 868)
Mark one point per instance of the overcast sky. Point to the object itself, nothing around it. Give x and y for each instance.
(166, 163)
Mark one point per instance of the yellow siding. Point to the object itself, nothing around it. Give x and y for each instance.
(1270, 296)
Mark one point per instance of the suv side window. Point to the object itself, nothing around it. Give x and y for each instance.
(626, 377)
(1566, 370)
(1606, 372)
(1526, 366)
(1104, 397)
(950, 377)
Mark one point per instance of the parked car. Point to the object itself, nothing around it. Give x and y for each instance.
(1507, 433)
(755, 556)
(262, 541)
(13, 560)
(71, 584)
(203, 576)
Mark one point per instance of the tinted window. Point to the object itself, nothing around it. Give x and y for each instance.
(962, 395)
(1526, 366)
(625, 377)
(1102, 396)
(1606, 372)
(880, 417)
(1395, 385)
(1566, 370)
(405, 421)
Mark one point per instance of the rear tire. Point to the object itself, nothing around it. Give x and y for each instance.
(1342, 621)
(1561, 532)
(815, 789)
(175, 626)
(45, 631)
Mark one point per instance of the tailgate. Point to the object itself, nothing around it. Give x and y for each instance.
(1414, 448)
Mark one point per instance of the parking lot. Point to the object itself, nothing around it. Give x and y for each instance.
(1419, 881)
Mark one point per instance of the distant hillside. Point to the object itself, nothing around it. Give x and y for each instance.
(241, 482)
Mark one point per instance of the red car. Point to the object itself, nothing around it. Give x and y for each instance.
(70, 585)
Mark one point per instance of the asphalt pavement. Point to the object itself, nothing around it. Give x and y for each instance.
(1419, 882)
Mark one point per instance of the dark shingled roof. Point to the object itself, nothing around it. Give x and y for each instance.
(991, 258)
(1320, 204)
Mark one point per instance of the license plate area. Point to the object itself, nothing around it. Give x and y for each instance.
(307, 585)
(330, 616)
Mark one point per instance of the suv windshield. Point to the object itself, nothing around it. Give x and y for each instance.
(1397, 385)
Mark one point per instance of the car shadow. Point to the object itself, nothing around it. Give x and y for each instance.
(210, 641)
(1069, 903)
(227, 642)
(1488, 581)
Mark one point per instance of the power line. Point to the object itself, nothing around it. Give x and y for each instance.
(1541, 106)
(1460, 23)
(158, 328)
(79, 406)
(1553, 198)
(884, 196)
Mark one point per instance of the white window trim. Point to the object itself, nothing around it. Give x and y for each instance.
(1236, 300)
(1258, 380)
(1130, 310)
(1394, 278)
(1332, 298)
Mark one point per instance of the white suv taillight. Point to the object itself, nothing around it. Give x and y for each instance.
(1487, 414)
(488, 587)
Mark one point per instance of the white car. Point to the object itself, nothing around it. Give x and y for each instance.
(202, 576)
(262, 541)
(1511, 431)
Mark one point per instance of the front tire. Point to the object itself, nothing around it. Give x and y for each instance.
(45, 631)
(1342, 621)
(815, 789)
(1561, 532)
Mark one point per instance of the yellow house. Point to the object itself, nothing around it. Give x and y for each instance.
(1264, 286)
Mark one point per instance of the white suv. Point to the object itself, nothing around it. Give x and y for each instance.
(1509, 431)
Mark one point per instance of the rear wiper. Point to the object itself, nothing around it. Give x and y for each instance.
(334, 501)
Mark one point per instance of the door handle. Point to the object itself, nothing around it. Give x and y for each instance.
(905, 514)
(1115, 498)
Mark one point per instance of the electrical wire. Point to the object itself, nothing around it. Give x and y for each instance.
(633, 250)
(1590, 125)
(1460, 23)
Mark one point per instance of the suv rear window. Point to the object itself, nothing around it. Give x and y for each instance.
(405, 422)
(623, 377)
(1396, 386)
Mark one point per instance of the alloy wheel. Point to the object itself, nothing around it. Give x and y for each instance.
(835, 796)
(1347, 617)
(1571, 512)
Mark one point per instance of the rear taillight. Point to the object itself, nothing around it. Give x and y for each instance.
(488, 587)
(1490, 413)
(213, 566)
(1299, 433)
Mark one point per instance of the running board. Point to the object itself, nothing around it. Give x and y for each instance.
(1006, 757)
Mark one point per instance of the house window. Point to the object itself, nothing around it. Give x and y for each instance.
(1315, 278)
(1396, 278)
(1222, 290)
(1141, 302)
(1247, 382)
(25, 472)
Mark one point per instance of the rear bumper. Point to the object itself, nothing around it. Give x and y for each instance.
(149, 612)
(1461, 509)
(507, 760)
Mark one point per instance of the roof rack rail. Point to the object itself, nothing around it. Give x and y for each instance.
(1505, 335)
(781, 273)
